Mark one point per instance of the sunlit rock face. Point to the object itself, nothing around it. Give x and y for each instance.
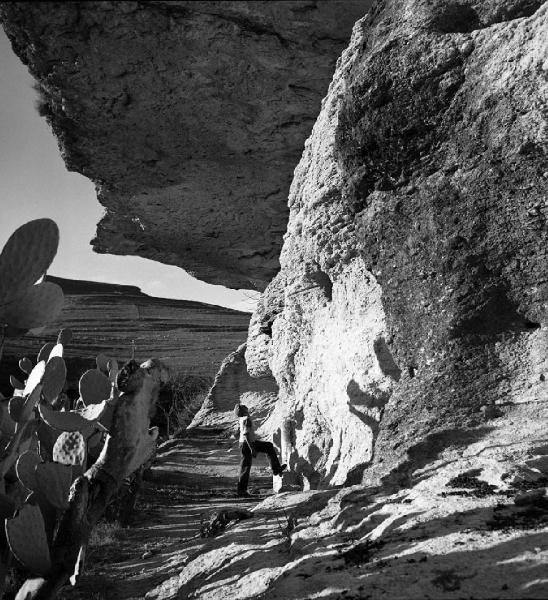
(189, 116)
(413, 287)
(233, 385)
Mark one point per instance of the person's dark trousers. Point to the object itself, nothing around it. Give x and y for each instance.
(245, 467)
(270, 451)
(247, 458)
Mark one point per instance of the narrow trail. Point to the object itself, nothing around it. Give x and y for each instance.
(192, 478)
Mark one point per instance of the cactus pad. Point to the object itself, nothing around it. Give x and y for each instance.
(57, 350)
(102, 363)
(54, 481)
(64, 337)
(47, 436)
(35, 377)
(40, 304)
(16, 405)
(16, 384)
(26, 256)
(45, 352)
(54, 377)
(26, 535)
(94, 387)
(112, 367)
(7, 424)
(25, 364)
(26, 468)
(30, 402)
(72, 420)
(7, 507)
(70, 449)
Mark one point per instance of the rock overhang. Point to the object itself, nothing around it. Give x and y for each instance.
(188, 116)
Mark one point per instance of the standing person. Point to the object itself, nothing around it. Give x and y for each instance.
(249, 446)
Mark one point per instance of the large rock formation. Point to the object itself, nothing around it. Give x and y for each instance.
(189, 117)
(234, 385)
(413, 287)
(190, 337)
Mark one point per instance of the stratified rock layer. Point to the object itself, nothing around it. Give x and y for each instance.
(414, 285)
(233, 385)
(189, 117)
(190, 337)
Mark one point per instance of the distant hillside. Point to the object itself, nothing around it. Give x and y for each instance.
(104, 317)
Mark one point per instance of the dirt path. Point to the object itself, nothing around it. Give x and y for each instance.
(454, 532)
(192, 478)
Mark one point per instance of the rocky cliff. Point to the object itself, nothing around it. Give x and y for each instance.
(412, 293)
(233, 384)
(413, 289)
(188, 116)
(191, 337)
(406, 331)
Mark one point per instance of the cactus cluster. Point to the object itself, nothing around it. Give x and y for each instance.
(51, 445)
(45, 446)
(61, 462)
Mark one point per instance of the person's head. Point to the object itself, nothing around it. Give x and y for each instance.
(240, 410)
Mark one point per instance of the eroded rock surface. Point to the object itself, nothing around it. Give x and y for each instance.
(234, 385)
(189, 117)
(460, 529)
(414, 286)
(472, 523)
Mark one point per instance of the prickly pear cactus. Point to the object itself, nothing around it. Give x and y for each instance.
(112, 367)
(64, 337)
(70, 449)
(24, 260)
(131, 442)
(102, 363)
(94, 387)
(35, 377)
(53, 482)
(26, 469)
(45, 351)
(7, 424)
(48, 445)
(25, 364)
(56, 351)
(40, 304)
(26, 535)
(84, 420)
(15, 407)
(15, 383)
(54, 377)
(26, 256)
(47, 436)
(30, 402)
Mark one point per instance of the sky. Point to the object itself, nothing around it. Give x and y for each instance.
(34, 183)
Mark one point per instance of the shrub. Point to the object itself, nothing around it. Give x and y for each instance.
(179, 401)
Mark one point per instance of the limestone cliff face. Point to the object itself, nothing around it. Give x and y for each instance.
(413, 287)
(190, 337)
(188, 116)
(234, 385)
